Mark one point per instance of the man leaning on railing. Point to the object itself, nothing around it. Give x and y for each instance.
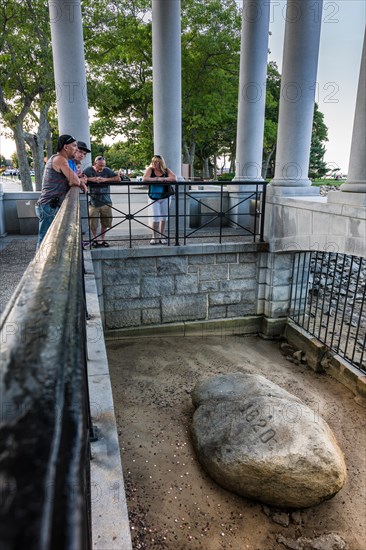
(100, 201)
(58, 177)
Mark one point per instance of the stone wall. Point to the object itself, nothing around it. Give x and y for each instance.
(315, 223)
(161, 285)
(18, 213)
(12, 224)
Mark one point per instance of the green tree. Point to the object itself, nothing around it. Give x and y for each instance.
(119, 54)
(118, 50)
(273, 86)
(318, 166)
(124, 155)
(119, 63)
(14, 160)
(26, 79)
(210, 79)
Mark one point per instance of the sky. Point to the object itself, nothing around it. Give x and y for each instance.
(341, 40)
(343, 24)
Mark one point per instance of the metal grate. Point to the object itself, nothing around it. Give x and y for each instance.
(328, 301)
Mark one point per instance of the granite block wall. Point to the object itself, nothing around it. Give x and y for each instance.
(169, 285)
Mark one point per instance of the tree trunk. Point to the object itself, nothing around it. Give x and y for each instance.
(32, 141)
(49, 144)
(206, 170)
(188, 156)
(37, 143)
(266, 162)
(22, 157)
(232, 157)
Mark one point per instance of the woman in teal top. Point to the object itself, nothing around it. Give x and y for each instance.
(157, 174)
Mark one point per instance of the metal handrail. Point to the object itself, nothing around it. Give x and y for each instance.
(44, 431)
(249, 223)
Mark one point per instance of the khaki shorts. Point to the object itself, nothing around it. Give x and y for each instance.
(104, 213)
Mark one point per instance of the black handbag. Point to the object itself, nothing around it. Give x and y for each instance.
(169, 191)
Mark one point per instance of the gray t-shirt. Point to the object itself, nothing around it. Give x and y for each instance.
(55, 184)
(99, 192)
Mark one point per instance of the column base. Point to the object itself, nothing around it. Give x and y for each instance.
(252, 180)
(250, 186)
(354, 187)
(352, 199)
(292, 191)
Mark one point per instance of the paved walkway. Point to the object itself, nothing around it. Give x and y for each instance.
(16, 251)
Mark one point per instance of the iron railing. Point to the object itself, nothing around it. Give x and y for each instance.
(328, 301)
(196, 214)
(45, 422)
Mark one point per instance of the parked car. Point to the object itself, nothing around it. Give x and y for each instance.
(11, 172)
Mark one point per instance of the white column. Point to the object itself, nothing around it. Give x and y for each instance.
(356, 178)
(252, 90)
(167, 82)
(69, 68)
(299, 72)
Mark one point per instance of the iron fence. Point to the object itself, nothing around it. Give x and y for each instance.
(196, 213)
(328, 301)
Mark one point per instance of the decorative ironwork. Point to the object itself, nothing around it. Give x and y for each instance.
(328, 301)
(216, 215)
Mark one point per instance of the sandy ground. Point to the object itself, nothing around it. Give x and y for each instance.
(172, 502)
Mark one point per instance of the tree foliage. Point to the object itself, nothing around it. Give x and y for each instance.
(273, 86)
(26, 78)
(118, 49)
(210, 77)
(118, 52)
(318, 166)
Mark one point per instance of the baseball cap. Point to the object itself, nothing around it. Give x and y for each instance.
(65, 139)
(83, 146)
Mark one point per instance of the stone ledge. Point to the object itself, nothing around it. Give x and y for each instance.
(186, 250)
(109, 516)
(322, 360)
(251, 324)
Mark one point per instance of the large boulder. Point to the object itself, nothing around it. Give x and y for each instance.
(261, 442)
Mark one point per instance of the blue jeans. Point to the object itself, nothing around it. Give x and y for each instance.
(46, 214)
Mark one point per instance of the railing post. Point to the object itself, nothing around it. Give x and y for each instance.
(176, 213)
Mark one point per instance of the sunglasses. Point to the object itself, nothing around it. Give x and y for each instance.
(100, 158)
(69, 140)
